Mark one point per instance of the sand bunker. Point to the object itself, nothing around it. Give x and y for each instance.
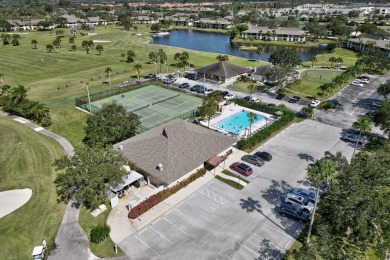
(100, 41)
(11, 200)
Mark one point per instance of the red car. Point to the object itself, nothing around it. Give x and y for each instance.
(242, 168)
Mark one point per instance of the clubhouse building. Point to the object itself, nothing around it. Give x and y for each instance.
(173, 151)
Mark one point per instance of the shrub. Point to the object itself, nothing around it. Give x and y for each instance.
(266, 132)
(328, 105)
(162, 195)
(99, 233)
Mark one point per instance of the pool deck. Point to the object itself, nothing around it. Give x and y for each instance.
(236, 109)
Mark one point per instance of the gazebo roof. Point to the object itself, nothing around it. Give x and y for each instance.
(223, 69)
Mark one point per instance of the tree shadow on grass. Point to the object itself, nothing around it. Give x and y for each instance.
(269, 251)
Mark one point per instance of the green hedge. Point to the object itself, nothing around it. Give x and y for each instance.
(266, 132)
(234, 184)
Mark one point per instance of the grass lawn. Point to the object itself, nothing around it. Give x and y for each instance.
(26, 159)
(88, 222)
(57, 78)
(241, 86)
(311, 80)
(228, 173)
(231, 183)
(349, 58)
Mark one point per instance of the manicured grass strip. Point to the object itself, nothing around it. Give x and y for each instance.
(26, 159)
(230, 182)
(88, 222)
(234, 175)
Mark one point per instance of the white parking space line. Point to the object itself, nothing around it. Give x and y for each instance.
(175, 226)
(282, 233)
(188, 217)
(213, 196)
(250, 250)
(161, 235)
(262, 238)
(146, 245)
(193, 205)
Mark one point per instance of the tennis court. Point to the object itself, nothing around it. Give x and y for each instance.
(155, 105)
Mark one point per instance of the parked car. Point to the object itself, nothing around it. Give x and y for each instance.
(264, 156)
(309, 195)
(253, 159)
(299, 201)
(201, 89)
(354, 138)
(242, 168)
(376, 104)
(193, 76)
(336, 102)
(280, 96)
(271, 105)
(251, 99)
(229, 96)
(357, 83)
(169, 80)
(294, 99)
(372, 113)
(196, 87)
(294, 212)
(209, 90)
(150, 76)
(314, 103)
(184, 85)
(363, 80)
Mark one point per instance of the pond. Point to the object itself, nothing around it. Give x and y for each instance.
(219, 43)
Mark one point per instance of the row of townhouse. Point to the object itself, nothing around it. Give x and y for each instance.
(280, 34)
(70, 20)
(186, 21)
(367, 43)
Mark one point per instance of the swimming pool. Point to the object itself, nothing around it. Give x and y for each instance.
(237, 122)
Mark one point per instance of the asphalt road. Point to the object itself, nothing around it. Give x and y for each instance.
(219, 222)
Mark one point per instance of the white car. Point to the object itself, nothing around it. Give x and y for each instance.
(314, 103)
(364, 81)
(357, 83)
(229, 96)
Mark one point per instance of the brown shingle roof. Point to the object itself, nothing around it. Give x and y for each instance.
(178, 145)
(223, 69)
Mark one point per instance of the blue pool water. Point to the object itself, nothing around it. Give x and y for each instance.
(237, 122)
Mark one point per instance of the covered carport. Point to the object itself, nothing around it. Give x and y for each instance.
(131, 178)
(214, 162)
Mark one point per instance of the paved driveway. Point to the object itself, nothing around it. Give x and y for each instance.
(219, 222)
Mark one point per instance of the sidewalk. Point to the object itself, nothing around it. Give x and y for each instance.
(122, 227)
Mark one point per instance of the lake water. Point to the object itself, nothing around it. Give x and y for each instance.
(219, 43)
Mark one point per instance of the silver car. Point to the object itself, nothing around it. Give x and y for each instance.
(252, 159)
(309, 195)
(299, 201)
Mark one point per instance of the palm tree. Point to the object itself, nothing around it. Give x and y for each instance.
(251, 118)
(130, 56)
(34, 42)
(259, 51)
(210, 105)
(332, 60)
(177, 58)
(313, 60)
(323, 88)
(339, 61)
(321, 171)
(273, 35)
(39, 111)
(74, 48)
(71, 40)
(137, 66)
(153, 57)
(108, 71)
(19, 94)
(99, 48)
(363, 124)
(162, 58)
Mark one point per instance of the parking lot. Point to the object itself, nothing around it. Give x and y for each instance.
(219, 222)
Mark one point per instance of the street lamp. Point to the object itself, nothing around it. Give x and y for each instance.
(89, 99)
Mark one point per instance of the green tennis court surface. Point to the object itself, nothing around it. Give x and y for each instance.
(155, 105)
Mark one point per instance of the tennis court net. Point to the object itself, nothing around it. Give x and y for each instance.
(165, 99)
(131, 107)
